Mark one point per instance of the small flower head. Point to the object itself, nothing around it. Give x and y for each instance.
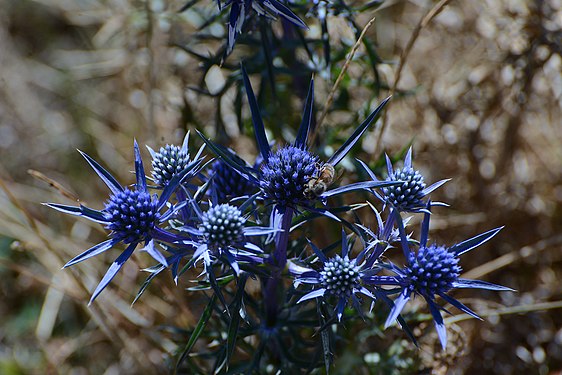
(407, 196)
(223, 225)
(169, 161)
(340, 276)
(222, 235)
(131, 215)
(432, 270)
(286, 173)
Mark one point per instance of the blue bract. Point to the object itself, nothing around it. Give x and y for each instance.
(269, 8)
(131, 215)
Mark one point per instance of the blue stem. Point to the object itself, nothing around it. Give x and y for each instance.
(274, 285)
(282, 239)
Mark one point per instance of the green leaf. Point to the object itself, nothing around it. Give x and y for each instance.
(197, 331)
(234, 324)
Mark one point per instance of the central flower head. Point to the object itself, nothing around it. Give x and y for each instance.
(339, 276)
(432, 270)
(223, 225)
(131, 215)
(286, 173)
(407, 196)
(169, 161)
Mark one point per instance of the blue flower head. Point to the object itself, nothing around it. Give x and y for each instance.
(433, 271)
(132, 216)
(340, 277)
(286, 173)
(409, 195)
(170, 161)
(222, 226)
(223, 234)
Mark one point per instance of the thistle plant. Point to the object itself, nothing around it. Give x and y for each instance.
(235, 223)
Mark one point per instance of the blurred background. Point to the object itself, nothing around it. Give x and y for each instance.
(479, 95)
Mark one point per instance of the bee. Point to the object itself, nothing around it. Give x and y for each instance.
(319, 183)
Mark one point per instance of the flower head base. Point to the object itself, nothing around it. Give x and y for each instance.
(286, 173)
(227, 183)
(407, 196)
(340, 277)
(223, 225)
(169, 161)
(432, 270)
(131, 215)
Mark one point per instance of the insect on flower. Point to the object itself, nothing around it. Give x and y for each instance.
(317, 185)
(292, 175)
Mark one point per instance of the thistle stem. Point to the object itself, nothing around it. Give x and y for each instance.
(282, 239)
(273, 288)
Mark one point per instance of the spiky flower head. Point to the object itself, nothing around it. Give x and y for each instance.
(340, 276)
(169, 161)
(223, 225)
(131, 215)
(286, 173)
(432, 270)
(227, 183)
(407, 196)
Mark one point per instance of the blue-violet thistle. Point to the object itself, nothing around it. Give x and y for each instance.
(227, 183)
(407, 196)
(222, 225)
(340, 276)
(286, 173)
(432, 270)
(131, 215)
(169, 161)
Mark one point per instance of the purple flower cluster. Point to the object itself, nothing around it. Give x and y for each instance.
(235, 220)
